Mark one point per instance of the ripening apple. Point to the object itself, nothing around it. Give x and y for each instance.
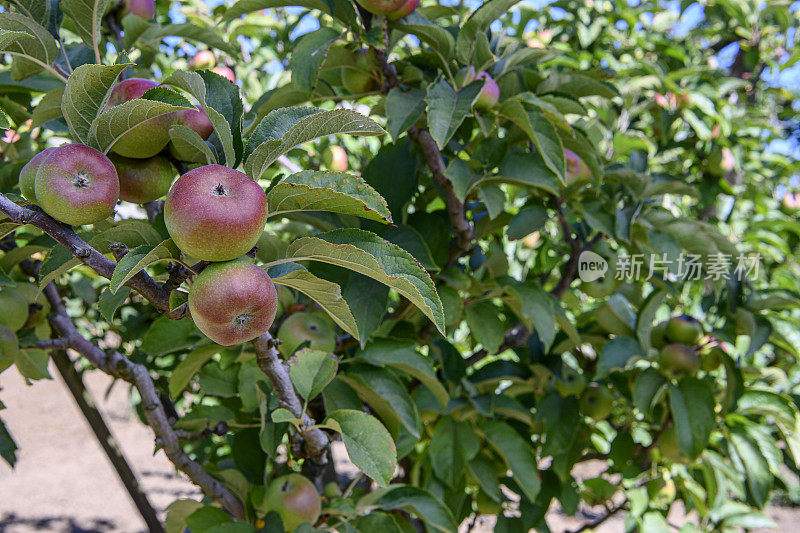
(381, 7)
(464, 76)
(225, 72)
(233, 302)
(28, 174)
(149, 137)
(489, 94)
(683, 329)
(294, 498)
(301, 327)
(215, 213)
(577, 169)
(143, 180)
(678, 359)
(335, 158)
(332, 490)
(596, 401)
(571, 383)
(203, 59)
(145, 9)
(77, 185)
(408, 7)
(360, 76)
(721, 161)
(196, 120)
(790, 203)
(13, 309)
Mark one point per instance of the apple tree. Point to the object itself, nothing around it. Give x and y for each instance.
(474, 245)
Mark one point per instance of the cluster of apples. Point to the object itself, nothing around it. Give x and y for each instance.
(595, 399)
(680, 354)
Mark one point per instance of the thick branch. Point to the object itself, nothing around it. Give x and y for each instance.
(92, 258)
(117, 365)
(316, 441)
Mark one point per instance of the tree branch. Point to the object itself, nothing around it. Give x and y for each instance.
(92, 258)
(315, 440)
(594, 523)
(117, 365)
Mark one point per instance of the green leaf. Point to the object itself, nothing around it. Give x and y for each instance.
(616, 353)
(139, 258)
(483, 471)
(447, 108)
(517, 454)
(367, 254)
(386, 394)
(33, 52)
(115, 122)
(177, 513)
(311, 371)
(527, 168)
(8, 448)
(462, 177)
(336, 192)
(402, 356)
(526, 221)
(403, 109)
(692, 404)
(421, 503)
(86, 94)
(285, 128)
(189, 146)
(32, 363)
(9, 347)
(647, 314)
(539, 307)
(477, 23)
(368, 444)
(166, 335)
(4, 122)
(752, 463)
(308, 55)
(130, 232)
(110, 302)
(49, 107)
(188, 30)
(540, 132)
(325, 293)
(646, 388)
(576, 85)
(87, 17)
(432, 34)
(485, 325)
(453, 445)
(57, 262)
(342, 10)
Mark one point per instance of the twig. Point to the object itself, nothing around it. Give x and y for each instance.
(291, 167)
(49, 344)
(117, 365)
(315, 440)
(80, 249)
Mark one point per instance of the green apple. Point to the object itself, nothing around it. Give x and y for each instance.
(301, 327)
(486, 505)
(712, 358)
(684, 329)
(9, 347)
(28, 174)
(596, 401)
(332, 490)
(13, 309)
(294, 498)
(572, 382)
(657, 339)
(669, 446)
(678, 359)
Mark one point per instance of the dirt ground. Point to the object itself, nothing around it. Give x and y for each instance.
(63, 482)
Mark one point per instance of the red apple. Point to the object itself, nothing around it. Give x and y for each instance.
(294, 498)
(215, 213)
(335, 159)
(204, 59)
(225, 72)
(381, 7)
(145, 9)
(149, 137)
(196, 120)
(233, 302)
(28, 174)
(577, 170)
(489, 94)
(408, 7)
(77, 185)
(143, 180)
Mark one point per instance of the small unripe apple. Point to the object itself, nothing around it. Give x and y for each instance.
(196, 120)
(684, 329)
(27, 175)
(489, 94)
(335, 158)
(145, 9)
(301, 327)
(203, 59)
(359, 77)
(149, 137)
(678, 359)
(712, 358)
(225, 72)
(577, 169)
(143, 180)
(381, 7)
(233, 302)
(77, 185)
(408, 7)
(295, 499)
(332, 490)
(596, 401)
(13, 309)
(657, 335)
(9, 347)
(215, 213)
(35, 298)
(790, 203)
(571, 383)
(721, 161)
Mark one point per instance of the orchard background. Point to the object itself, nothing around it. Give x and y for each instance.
(434, 176)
